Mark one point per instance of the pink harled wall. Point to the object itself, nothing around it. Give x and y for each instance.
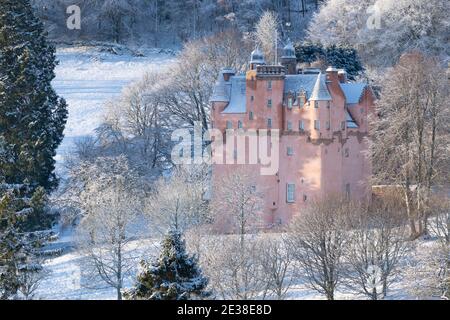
(326, 161)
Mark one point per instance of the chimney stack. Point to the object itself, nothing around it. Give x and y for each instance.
(332, 74)
(342, 75)
(228, 73)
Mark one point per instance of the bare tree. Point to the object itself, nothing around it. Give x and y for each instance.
(237, 203)
(267, 35)
(411, 136)
(192, 77)
(277, 262)
(317, 240)
(178, 202)
(233, 268)
(111, 203)
(377, 243)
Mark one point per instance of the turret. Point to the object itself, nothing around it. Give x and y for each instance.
(257, 59)
(289, 60)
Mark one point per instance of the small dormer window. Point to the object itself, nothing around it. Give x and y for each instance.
(302, 101)
(290, 102)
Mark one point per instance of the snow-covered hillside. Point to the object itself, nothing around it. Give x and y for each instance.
(87, 77)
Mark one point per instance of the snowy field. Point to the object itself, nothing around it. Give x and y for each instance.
(87, 77)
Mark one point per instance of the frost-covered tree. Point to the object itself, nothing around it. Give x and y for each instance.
(137, 125)
(317, 238)
(238, 203)
(234, 268)
(267, 35)
(377, 243)
(20, 260)
(111, 203)
(410, 135)
(173, 276)
(382, 30)
(32, 116)
(178, 202)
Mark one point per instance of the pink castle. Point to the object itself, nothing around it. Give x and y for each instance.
(322, 121)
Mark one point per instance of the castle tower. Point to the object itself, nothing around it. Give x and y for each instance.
(289, 60)
(257, 59)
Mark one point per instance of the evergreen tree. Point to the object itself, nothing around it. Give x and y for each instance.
(342, 57)
(174, 276)
(20, 260)
(32, 116)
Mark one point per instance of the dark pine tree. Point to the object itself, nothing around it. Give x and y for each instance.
(11, 247)
(174, 276)
(32, 116)
(342, 57)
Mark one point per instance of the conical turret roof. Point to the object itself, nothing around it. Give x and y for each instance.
(320, 91)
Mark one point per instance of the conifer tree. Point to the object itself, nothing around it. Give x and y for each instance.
(32, 116)
(20, 261)
(174, 276)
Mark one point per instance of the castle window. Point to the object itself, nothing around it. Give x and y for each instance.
(290, 193)
(269, 103)
(347, 190)
(301, 101)
(252, 98)
(317, 124)
(328, 104)
(290, 103)
(316, 104)
(229, 125)
(289, 125)
(290, 151)
(269, 85)
(250, 115)
(305, 198)
(301, 125)
(269, 123)
(240, 124)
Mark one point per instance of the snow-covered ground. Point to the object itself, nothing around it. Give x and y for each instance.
(87, 77)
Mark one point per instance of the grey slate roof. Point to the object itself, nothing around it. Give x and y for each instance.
(353, 91)
(237, 96)
(320, 91)
(300, 82)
